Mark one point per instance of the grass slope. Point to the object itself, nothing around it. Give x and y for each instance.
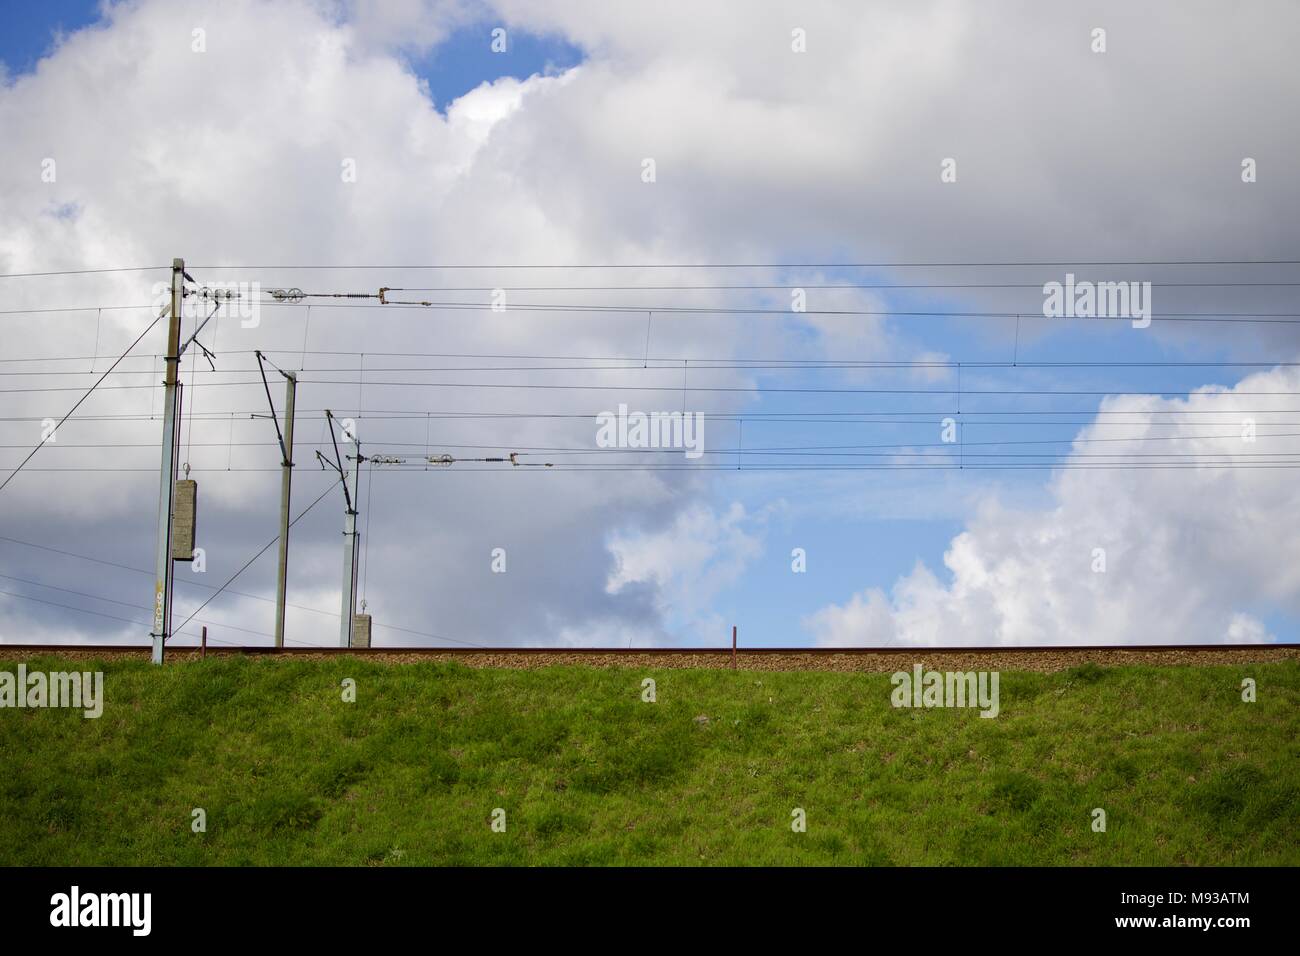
(589, 774)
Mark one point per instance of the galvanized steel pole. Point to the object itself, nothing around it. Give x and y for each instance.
(286, 485)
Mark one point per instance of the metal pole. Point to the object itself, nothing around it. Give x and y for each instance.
(350, 556)
(179, 417)
(286, 484)
(167, 479)
(733, 647)
(356, 544)
(203, 652)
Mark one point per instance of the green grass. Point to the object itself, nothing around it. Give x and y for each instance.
(589, 774)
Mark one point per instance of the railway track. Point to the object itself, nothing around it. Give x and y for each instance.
(877, 659)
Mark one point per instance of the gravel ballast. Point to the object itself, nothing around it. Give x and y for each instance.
(886, 661)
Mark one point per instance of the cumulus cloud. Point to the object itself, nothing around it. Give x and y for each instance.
(414, 26)
(1171, 554)
(686, 564)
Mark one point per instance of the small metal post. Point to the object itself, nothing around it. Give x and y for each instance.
(733, 647)
(203, 651)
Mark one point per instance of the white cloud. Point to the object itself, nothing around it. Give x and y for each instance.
(687, 563)
(1187, 550)
(408, 25)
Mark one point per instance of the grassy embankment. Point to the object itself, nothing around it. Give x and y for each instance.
(587, 773)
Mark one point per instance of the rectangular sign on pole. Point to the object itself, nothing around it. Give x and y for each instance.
(186, 503)
(361, 630)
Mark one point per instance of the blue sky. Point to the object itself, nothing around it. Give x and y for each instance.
(466, 59)
(30, 28)
(848, 555)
